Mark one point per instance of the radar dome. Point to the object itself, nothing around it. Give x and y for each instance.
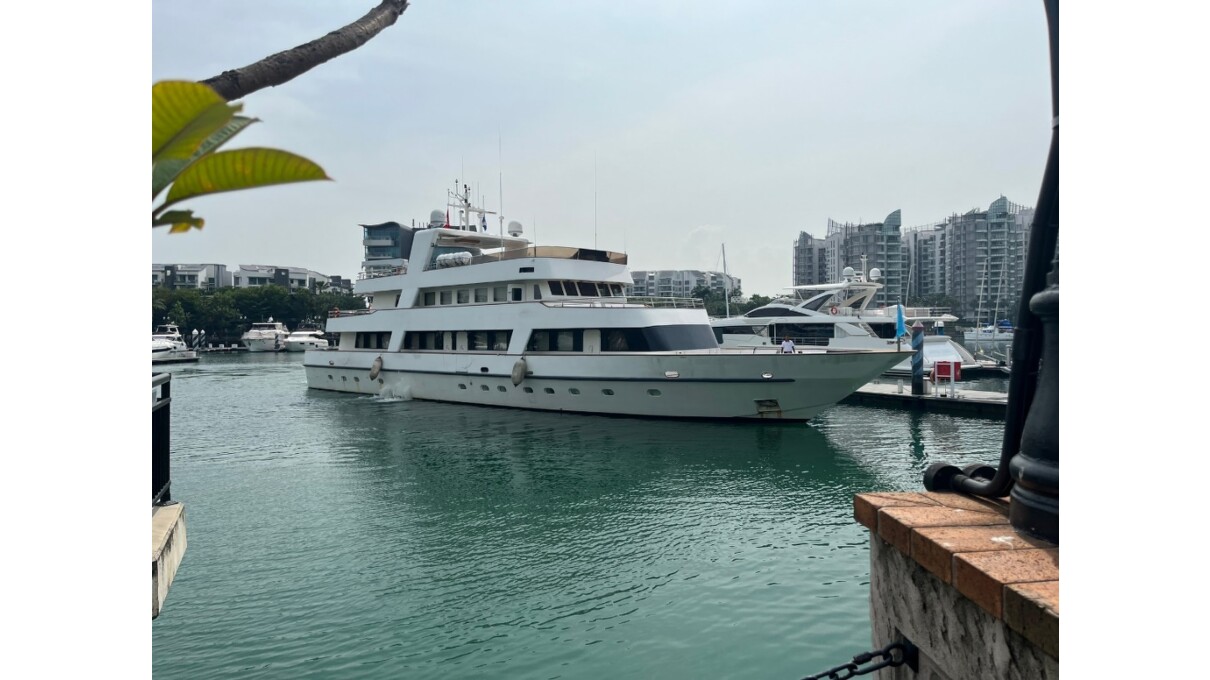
(848, 271)
(514, 228)
(437, 217)
(875, 274)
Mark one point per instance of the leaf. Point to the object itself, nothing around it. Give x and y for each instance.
(241, 169)
(180, 220)
(183, 115)
(165, 171)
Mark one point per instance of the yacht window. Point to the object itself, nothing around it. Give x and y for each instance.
(517, 294)
(588, 288)
(430, 299)
(464, 296)
(480, 295)
(615, 340)
(478, 340)
(498, 340)
(569, 341)
(527, 270)
(537, 291)
(556, 288)
(569, 288)
(615, 290)
(500, 293)
(539, 341)
(447, 297)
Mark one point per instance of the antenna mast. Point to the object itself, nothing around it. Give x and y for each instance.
(726, 284)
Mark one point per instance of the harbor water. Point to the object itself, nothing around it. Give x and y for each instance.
(337, 536)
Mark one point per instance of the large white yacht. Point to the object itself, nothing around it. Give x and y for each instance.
(837, 315)
(267, 336)
(471, 317)
(303, 339)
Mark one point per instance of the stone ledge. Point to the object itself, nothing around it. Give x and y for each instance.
(168, 545)
(968, 544)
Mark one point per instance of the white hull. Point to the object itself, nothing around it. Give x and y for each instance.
(293, 345)
(265, 344)
(174, 356)
(988, 336)
(708, 384)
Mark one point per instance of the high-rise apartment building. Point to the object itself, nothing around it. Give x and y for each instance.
(810, 260)
(879, 243)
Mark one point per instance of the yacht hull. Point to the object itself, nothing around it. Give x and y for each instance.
(265, 344)
(709, 385)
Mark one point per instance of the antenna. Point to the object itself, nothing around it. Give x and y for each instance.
(500, 151)
(726, 284)
(594, 201)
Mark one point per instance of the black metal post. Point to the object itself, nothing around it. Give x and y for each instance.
(1038, 469)
(1035, 470)
(161, 421)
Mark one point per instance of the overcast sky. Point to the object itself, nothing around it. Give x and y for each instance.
(666, 129)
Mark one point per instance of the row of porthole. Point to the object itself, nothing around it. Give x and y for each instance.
(550, 390)
(345, 378)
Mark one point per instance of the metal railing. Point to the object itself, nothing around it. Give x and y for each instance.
(678, 303)
(161, 443)
(379, 273)
(337, 313)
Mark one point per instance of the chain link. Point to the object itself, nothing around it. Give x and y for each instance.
(907, 654)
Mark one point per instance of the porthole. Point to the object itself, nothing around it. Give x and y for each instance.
(483, 387)
(529, 390)
(502, 388)
(330, 377)
(344, 378)
(462, 386)
(607, 392)
(574, 390)
(548, 390)
(654, 393)
(483, 369)
(380, 381)
(356, 379)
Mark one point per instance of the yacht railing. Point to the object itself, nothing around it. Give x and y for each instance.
(620, 302)
(161, 443)
(379, 273)
(337, 313)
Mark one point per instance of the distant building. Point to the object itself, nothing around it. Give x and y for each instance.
(293, 278)
(679, 282)
(879, 242)
(977, 257)
(201, 276)
(810, 261)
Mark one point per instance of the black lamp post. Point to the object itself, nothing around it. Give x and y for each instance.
(1029, 456)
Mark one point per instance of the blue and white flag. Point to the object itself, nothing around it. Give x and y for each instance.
(900, 326)
(482, 222)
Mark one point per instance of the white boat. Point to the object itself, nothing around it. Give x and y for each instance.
(837, 316)
(1001, 332)
(494, 320)
(304, 339)
(169, 347)
(268, 336)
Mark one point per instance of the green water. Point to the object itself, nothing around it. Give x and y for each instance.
(336, 536)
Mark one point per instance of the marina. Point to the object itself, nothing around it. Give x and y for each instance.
(342, 535)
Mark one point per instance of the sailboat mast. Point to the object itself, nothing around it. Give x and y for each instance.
(726, 284)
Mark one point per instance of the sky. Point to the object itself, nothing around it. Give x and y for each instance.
(673, 131)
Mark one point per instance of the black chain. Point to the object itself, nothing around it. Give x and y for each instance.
(907, 654)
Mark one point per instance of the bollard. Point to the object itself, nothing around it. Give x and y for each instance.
(917, 359)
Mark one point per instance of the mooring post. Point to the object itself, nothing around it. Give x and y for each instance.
(917, 359)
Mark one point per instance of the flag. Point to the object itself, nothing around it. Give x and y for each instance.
(447, 218)
(482, 222)
(900, 326)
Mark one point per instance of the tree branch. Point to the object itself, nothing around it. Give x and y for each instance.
(284, 66)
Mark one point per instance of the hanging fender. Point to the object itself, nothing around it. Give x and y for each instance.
(833, 310)
(519, 370)
(376, 368)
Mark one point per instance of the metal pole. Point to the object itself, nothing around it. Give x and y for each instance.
(917, 358)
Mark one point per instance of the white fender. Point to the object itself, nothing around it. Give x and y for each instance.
(376, 368)
(519, 370)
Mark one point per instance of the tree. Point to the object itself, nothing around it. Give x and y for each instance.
(189, 122)
(289, 64)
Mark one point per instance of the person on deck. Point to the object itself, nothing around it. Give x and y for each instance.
(787, 346)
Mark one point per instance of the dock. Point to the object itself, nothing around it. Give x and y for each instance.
(941, 398)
